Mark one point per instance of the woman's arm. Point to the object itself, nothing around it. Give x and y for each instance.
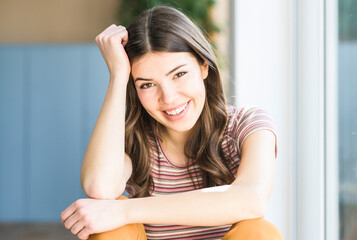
(247, 197)
(105, 167)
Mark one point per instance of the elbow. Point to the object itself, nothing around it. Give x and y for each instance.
(258, 209)
(103, 192)
(254, 201)
(260, 206)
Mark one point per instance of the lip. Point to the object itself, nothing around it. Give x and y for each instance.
(174, 108)
(179, 116)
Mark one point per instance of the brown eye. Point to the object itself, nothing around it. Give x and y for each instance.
(180, 74)
(146, 85)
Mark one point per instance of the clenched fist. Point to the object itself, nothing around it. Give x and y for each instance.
(111, 43)
(88, 216)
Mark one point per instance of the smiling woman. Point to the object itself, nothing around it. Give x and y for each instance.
(173, 94)
(181, 150)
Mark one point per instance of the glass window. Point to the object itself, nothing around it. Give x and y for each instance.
(347, 105)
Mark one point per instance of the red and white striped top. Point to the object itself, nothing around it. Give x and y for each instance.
(170, 178)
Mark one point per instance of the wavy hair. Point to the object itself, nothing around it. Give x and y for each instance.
(165, 29)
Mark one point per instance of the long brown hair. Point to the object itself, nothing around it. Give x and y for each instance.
(165, 29)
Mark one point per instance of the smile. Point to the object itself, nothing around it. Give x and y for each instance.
(177, 111)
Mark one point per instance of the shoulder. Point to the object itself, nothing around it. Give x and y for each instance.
(244, 116)
(244, 120)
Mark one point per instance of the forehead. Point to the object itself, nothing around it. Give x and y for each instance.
(162, 62)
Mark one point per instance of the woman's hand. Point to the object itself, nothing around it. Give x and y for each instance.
(89, 216)
(111, 43)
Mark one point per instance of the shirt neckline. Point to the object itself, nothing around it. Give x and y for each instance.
(163, 153)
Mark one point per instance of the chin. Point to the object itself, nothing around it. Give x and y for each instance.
(181, 128)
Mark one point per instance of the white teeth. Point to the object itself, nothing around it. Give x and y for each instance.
(177, 111)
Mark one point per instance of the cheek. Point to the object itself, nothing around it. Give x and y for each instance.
(197, 87)
(146, 100)
(141, 98)
(202, 91)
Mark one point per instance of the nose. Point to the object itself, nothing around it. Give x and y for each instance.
(168, 93)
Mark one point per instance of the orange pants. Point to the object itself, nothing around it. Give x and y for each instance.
(252, 229)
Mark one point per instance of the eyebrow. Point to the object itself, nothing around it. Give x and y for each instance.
(167, 74)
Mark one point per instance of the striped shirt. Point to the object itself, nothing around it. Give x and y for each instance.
(170, 178)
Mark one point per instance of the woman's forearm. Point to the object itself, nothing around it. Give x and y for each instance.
(103, 164)
(213, 206)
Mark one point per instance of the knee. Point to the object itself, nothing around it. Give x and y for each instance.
(253, 229)
(130, 231)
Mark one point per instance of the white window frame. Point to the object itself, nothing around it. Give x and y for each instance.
(331, 116)
(300, 91)
(264, 75)
(317, 62)
(311, 120)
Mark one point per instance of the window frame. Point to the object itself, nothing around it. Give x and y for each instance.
(308, 128)
(331, 123)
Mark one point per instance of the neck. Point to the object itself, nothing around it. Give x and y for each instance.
(173, 139)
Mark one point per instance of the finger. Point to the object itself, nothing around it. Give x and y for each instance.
(83, 234)
(115, 35)
(110, 28)
(124, 35)
(68, 212)
(106, 31)
(121, 33)
(77, 227)
(125, 38)
(72, 220)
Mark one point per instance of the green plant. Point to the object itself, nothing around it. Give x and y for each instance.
(347, 20)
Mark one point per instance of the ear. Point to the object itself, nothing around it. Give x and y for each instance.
(204, 70)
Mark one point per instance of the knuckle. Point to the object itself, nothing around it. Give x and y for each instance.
(81, 212)
(109, 27)
(100, 38)
(76, 204)
(87, 220)
(112, 39)
(89, 227)
(105, 39)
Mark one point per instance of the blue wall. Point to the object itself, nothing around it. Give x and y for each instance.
(50, 97)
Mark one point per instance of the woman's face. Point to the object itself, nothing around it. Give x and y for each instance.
(171, 89)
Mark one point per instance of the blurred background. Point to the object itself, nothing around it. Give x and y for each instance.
(294, 58)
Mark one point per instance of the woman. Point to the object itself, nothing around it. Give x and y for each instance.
(191, 165)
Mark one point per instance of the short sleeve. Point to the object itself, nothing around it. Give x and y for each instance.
(246, 120)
